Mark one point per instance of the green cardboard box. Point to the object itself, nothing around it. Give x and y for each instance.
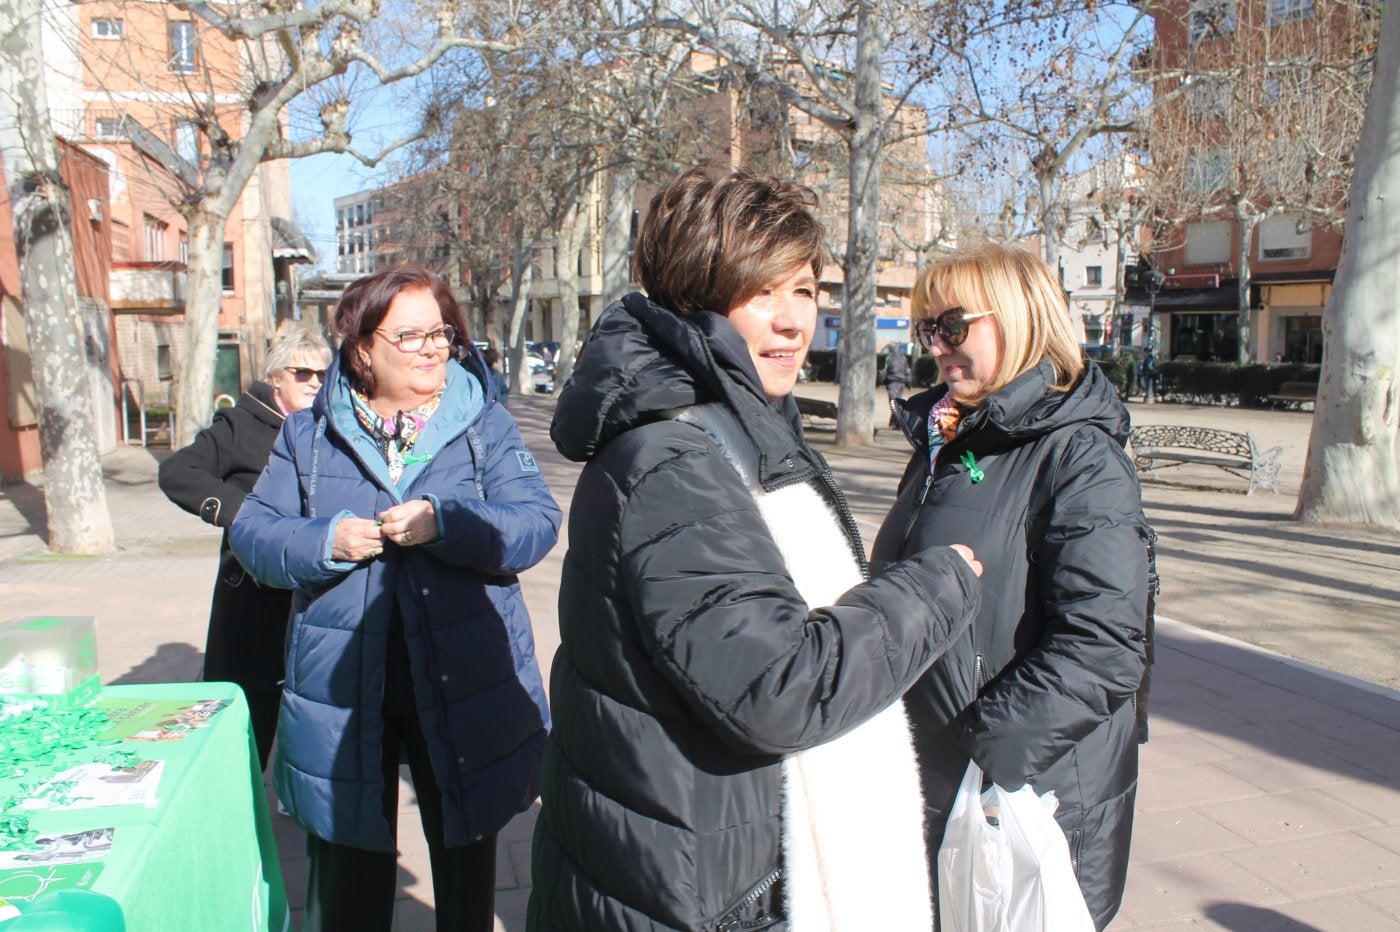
(52, 658)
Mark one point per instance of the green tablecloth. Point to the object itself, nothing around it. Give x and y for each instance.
(203, 858)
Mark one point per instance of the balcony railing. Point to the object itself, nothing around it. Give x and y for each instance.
(148, 287)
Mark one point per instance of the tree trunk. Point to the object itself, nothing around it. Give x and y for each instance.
(194, 383)
(1351, 476)
(1049, 229)
(568, 239)
(617, 231)
(74, 495)
(855, 426)
(1245, 221)
(522, 272)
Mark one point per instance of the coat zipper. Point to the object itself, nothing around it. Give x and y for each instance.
(981, 673)
(754, 895)
(914, 511)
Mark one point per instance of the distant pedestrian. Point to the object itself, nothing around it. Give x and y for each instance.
(1147, 376)
(498, 380)
(895, 377)
(209, 478)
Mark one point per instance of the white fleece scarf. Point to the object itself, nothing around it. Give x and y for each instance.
(853, 825)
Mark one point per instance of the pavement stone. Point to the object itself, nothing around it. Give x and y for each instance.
(1269, 795)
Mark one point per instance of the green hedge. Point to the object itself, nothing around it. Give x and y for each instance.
(1248, 385)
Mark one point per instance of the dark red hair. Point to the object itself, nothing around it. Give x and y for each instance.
(365, 303)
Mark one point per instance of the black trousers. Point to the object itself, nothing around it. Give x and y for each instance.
(352, 890)
(263, 705)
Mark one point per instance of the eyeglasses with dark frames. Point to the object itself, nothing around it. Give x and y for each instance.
(952, 325)
(303, 374)
(411, 341)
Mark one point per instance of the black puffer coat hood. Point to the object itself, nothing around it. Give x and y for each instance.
(1056, 652)
(642, 362)
(689, 662)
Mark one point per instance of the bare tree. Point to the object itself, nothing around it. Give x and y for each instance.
(74, 494)
(289, 51)
(1264, 122)
(1351, 475)
(829, 62)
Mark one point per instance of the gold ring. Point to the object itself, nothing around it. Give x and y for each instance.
(405, 537)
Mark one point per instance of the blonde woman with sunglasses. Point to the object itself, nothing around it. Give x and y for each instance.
(209, 478)
(1018, 452)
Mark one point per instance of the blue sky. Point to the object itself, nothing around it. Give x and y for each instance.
(316, 182)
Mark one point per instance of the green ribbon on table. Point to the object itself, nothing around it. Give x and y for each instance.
(36, 743)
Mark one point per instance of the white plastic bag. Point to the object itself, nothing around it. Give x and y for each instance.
(1010, 874)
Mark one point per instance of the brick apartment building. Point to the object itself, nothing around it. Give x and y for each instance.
(1271, 140)
(112, 61)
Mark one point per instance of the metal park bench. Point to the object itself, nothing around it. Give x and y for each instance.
(1295, 393)
(815, 407)
(1160, 446)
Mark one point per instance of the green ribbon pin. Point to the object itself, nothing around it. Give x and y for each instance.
(974, 472)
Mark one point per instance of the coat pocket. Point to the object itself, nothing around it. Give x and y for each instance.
(761, 907)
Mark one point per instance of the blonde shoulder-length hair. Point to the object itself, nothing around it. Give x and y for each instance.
(1024, 298)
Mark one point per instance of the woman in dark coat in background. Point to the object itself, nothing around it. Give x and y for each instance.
(209, 478)
(1019, 453)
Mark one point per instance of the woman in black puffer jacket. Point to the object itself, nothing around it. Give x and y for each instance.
(1025, 440)
(716, 635)
(210, 478)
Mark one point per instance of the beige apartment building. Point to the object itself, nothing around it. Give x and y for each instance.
(740, 128)
(113, 61)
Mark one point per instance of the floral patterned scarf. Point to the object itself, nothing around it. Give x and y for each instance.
(942, 426)
(395, 435)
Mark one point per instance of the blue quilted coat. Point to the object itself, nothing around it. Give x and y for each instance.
(476, 683)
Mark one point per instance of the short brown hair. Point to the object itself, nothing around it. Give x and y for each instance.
(363, 306)
(711, 244)
(1024, 297)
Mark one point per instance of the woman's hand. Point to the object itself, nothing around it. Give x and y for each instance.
(966, 553)
(410, 524)
(357, 540)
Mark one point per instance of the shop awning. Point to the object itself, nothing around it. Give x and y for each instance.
(288, 242)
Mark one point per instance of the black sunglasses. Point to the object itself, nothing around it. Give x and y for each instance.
(302, 374)
(952, 325)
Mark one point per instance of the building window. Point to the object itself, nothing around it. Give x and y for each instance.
(1207, 171)
(184, 48)
(1206, 337)
(1212, 18)
(1093, 275)
(1282, 11)
(164, 370)
(227, 278)
(1284, 238)
(1302, 339)
(1208, 98)
(108, 128)
(1208, 243)
(187, 140)
(184, 248)
(155, 238)
(108, 29)
(339, 217)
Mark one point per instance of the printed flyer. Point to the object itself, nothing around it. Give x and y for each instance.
(161, 720)
(60, 862)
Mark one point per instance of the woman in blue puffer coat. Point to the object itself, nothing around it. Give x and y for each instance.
(400, 508)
